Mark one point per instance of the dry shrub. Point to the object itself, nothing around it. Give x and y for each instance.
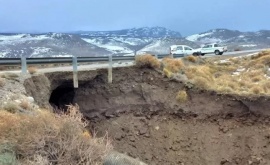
(200, 71)
(2, 68)
(32, 70)
(2, 82)
(190, 72)
(242, 83)
(148, 61)
(25, 105)
(11, 107)
(225, 89)
(191, 58)
(252, 73)
(51, 138)
(261, 54)
(182, 96)
(10, 75)
(257, 79)
(167, 73)
(173, 65)
(201, 82)
(235, 60)
(232, 85)
(256, 90)
(266, 86)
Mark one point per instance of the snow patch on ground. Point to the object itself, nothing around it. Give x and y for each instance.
(224, 61)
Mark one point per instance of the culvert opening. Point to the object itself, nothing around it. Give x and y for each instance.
(62, 96)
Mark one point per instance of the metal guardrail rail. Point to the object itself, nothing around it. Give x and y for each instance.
(23, 61)
(55, 60)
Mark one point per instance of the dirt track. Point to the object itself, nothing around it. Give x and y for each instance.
(140, 113)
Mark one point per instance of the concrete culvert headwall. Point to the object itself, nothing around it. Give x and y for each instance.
(140, 112)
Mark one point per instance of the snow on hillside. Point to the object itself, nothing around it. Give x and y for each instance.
(196, 37)
(110, 46)
(11, 39)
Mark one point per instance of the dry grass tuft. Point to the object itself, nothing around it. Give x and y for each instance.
(10, 75)
(167, 73)
(182, 96)
(191, 58)
(261, 54)
(257, 90)
(2, 68)
(148, 61)
(52, 139)
(11, 107)
(25, 105)
(201, 83)
(32, 70)
(173, 65)
(2, 82)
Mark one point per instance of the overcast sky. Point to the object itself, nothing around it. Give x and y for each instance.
(185, 16)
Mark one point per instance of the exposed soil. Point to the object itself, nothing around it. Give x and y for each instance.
(140, 113)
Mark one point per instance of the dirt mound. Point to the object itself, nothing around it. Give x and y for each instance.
(139, 110)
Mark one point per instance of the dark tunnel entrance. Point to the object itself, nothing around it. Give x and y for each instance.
(61, 97)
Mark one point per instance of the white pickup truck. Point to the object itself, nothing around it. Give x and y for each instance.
(212, 48)
(183, 49)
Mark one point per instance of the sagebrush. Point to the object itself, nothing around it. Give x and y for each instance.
(52, 139)
(147, 61)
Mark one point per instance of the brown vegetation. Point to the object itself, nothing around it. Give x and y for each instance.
(147, 61)
(182, 96)
(173, 65)
(2, 68)
(238, 75)
(10, 75)
(191, 58)
(2, 82)
(25, 104)
(32, 70)
(51, 139)
(11, 107)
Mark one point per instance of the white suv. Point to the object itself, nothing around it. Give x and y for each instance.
(183, 49)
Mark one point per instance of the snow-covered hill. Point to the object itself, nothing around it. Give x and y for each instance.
(154, 40)
(233, 38)
(144, 32)
(46, 45)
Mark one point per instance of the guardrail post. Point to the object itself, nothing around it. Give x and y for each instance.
(23, 65)
(110, 69)
(75, 72)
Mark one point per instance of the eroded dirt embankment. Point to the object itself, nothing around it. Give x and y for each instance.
(140, 112)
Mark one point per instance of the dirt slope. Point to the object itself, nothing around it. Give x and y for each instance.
(139, 111)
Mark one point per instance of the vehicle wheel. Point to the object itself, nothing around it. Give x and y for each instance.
(220, 53)
(217, 52)
(202, 54)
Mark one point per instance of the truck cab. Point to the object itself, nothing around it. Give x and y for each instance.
(213, 48)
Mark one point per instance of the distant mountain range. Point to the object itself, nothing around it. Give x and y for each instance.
(233, 38)
(154, 40)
